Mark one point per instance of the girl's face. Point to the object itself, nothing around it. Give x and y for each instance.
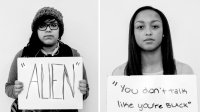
(48, 32)
(148, 30)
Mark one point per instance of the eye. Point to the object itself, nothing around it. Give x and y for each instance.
(155, 27)
(140, 27)
(42, 26)
(54, 25)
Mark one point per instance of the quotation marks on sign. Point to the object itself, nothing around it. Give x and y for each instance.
(115, 83)
(22, 64)
(77, 63)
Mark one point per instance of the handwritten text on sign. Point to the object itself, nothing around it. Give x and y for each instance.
(50, 83)
(169, 93)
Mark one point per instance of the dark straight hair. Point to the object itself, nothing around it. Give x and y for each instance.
(134, 65)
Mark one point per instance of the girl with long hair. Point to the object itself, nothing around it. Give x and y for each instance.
(150, 46)
(45, 41)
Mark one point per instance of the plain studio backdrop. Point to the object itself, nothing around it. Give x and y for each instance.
(81, 33)
(184, 21)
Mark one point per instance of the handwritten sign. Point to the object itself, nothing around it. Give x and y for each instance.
(50, 83)
(155, 93)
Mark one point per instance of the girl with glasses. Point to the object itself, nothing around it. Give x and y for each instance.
(45, 41)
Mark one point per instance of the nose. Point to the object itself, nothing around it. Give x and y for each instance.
(148, 31)
(48, 29)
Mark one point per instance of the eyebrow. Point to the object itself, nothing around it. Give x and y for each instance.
(50, 21)
(140, 21)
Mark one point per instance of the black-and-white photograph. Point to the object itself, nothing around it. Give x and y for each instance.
(149, 56)
(49, 59)
(100, 56)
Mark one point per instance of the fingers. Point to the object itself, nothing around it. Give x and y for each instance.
(83, 86)
(18, 82)
(83, 90)
(18, 87)
(83, 83)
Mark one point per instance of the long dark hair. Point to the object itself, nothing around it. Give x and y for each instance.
(134, 65)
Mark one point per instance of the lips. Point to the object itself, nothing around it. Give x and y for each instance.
(48, 36)
(149, 40)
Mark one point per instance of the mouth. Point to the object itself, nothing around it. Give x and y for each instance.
(149, 40)
(48, 36)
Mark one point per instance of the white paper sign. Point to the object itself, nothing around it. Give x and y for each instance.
(50, 83)
(154, 93)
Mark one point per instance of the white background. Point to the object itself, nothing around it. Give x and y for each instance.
(81, 33)
(81, 23)
(184, 20)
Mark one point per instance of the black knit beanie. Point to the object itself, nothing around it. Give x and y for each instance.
(48, 12)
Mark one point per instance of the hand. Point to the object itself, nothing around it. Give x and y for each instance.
(18, 87)
(83, 86)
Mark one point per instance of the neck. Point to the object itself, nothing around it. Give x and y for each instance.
(151, 61)
(50, 49)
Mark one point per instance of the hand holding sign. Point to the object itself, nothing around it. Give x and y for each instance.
(83, 86)
(18, 87)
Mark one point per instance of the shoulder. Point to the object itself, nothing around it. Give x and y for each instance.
(183, 68)
(119, 71)
(19, 53)
(75, 53)
(14, 63)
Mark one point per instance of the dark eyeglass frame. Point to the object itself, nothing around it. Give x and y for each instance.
(50, 25)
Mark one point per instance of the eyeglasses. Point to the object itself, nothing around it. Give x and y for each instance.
(52, 26)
